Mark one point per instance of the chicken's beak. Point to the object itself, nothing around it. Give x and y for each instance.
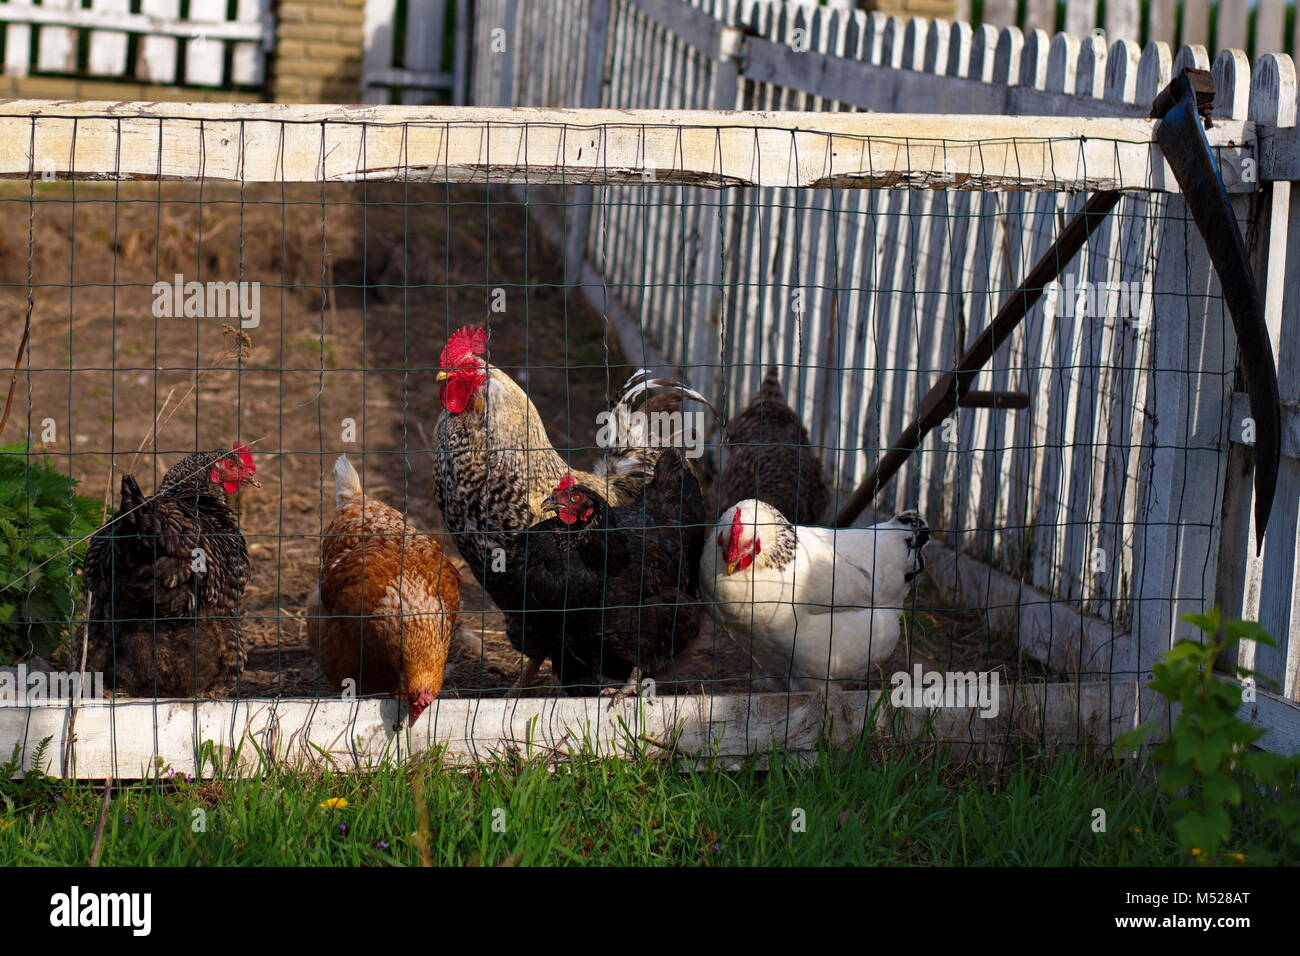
(253, 480)
(731, 566)
(443, 375)
(549, 503)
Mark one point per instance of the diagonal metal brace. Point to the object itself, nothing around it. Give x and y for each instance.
(953, 389)
(1182, 139)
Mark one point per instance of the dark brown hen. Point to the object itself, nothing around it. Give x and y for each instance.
(164, 580)
(769, 457)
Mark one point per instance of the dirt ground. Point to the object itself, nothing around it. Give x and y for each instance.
(360, 287)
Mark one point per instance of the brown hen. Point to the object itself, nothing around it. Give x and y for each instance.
(385, 609)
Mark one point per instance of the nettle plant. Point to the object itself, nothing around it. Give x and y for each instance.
(44, 527)
(1207, 764)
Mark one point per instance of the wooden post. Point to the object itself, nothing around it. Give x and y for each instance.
(593, 83)
(1279, 589)
(1185, 434)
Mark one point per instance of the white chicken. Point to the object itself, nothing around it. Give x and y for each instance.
(813, 604)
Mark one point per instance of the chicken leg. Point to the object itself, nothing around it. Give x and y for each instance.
(528, 678)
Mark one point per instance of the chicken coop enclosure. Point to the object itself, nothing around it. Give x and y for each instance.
(286, 285)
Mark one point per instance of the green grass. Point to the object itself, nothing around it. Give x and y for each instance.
(866, 806)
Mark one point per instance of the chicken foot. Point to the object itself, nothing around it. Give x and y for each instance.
(528, 678)
(630, 688)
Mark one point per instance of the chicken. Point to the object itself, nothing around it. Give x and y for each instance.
(768, 457)
(164, 581)
(811, 604)
(495, 462)
(385, 609)
(604, 591)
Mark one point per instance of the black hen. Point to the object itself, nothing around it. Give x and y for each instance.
(605, 592)
(164, 580)
(769, 457)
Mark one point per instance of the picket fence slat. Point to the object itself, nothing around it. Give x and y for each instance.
(158, 54)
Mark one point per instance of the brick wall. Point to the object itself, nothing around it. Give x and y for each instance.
(64, 88)
(943, 9)
(318, 51)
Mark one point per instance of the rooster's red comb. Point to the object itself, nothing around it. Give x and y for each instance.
(565, 483)
(732, 552)
(245, 454)
(464, 342)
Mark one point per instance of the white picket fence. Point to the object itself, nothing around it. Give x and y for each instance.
(413, 70)
(1256, 26)
(1095, 518)
(169, 50)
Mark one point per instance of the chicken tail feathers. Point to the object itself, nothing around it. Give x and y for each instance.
(638, 440)
(347, 483)
(771, 387)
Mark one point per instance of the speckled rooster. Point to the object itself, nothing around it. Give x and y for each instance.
(385, 609)
(495, 464)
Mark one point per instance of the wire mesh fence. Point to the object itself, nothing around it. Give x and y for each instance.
(375, 440)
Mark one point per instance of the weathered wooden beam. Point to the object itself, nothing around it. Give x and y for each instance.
(274, 142)
(132, 738)
(1290, 424)
(884, 88)
(702, 30)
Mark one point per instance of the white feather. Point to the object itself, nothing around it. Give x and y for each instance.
(347, 483)
(831, 612)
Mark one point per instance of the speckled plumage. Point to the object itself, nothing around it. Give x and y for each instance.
(157, 626)
(769, 457)
(495, 464)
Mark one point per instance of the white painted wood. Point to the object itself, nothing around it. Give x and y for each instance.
(17, 49)
(1162, 22)
(1122, 21)
(129, 739)
(856, 150)
(74, 15)
(1080, 17)
(248, 60)
(690, 24)
(1090, 77)
(1238, 588)
(205, 53)
(1195, 27)
(1000, 13)
(1191, 57)
(378, 30)
(1270, 20)
(1231, 30)
(1231, 72)
(1062, 64)
(107, 55)
(1274, 102)
(57, 46)
(1033, 59)
(1040, 15)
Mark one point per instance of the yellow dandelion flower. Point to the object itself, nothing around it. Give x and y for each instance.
(1196, 851)
(4, 824)
(1135, 829)
(334, 803)
(1239, 857)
